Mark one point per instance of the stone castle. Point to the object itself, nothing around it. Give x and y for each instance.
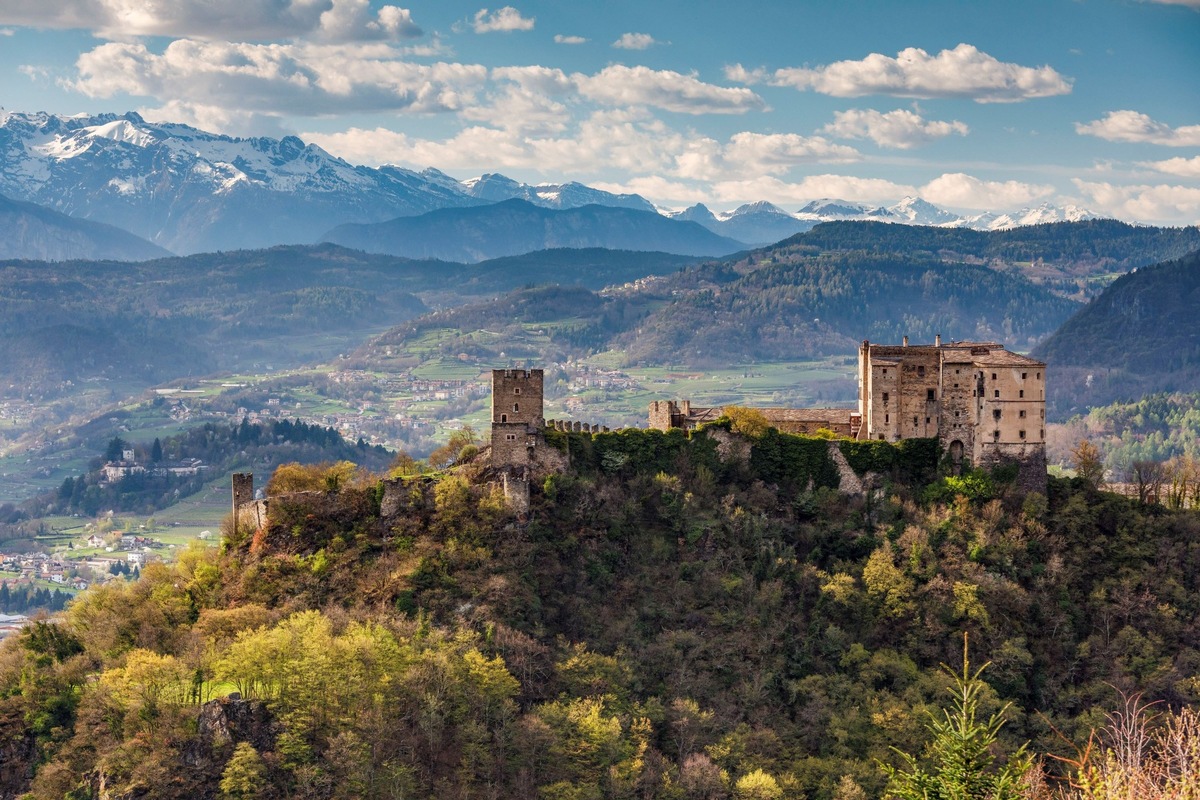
(984, 404)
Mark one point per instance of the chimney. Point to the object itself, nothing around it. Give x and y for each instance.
(905, 344)
(937, 340)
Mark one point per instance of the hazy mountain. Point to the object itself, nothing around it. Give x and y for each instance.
(496, 188)
(30, 231)
(516, 226)
(758, 223)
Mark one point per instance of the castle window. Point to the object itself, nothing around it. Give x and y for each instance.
(517, 390)
(504, 417)
(886, 417)
(997, 393)
(915, 422)
(995, 436)
(881, 437)
(1021, 414)
(955, 372)
(956, 386)
(1042, 433)
(1021, 393)
(931, 394)
(921, 371)
(885, 397)
(993, 376)
(956, 413)
(927, 420)
(1024, 375)
(1039, 376)
(1022, 434)
(996, 413)
(512, 437)
(516, 408)
(885, 370)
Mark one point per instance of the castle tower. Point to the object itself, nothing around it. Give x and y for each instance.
(243, 489)
(517, 415)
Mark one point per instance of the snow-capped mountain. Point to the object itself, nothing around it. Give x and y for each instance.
(189, 190)
(915, 211)
(495, 188)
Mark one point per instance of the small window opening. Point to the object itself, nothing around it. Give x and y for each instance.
(995, 413)
(993, 376)
(885, 417)
(517, 390)
(915, 423)
(885, 397)
(930, 394)
(1022, 434)
(1024, 375)
(995, 436)
(516, 408)
(1021, 414)
(1021, 393)
(927, 420)
(921, 371)
(504, 417)
(997, 393)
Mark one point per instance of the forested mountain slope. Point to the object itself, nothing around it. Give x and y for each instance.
(666, 622)
(1139, 336)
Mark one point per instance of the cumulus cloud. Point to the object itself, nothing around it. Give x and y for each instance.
(617, 139)
(1183, 167)
(561, 39)
(635, 41)
(618, 85)
(1133, 126)
(900, 129)
(739, 74)
(278, 78)
(659, 189)
(964, 72)
(328, 20)
(966, 191)
(505, 19)
(1161, 204)
(811, 187)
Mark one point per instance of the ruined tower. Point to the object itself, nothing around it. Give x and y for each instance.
(243, 489)
(517, 415)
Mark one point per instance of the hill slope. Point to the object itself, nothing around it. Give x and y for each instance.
(31, 231)
(1140, 332)
(516, 226)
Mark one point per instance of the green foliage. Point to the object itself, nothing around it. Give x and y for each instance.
(960, 754)
(795, 461)
(245, 775)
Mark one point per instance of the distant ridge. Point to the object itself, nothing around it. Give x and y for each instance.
(514, 227)
(30, 231)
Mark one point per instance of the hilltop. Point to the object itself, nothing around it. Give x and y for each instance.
(665, 617)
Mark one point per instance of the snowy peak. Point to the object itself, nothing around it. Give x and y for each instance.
(697, 213)
(761, 207)
(916, 211)
(828, 208)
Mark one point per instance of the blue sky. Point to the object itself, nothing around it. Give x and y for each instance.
(971, 105)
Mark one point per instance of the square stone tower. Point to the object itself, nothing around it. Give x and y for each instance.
(517, 415)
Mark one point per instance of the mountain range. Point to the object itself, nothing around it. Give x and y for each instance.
(189, 190)
(30, 231)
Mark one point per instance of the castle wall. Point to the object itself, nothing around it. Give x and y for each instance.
(959, 411)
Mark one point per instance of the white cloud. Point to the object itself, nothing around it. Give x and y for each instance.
(739, 74)
(1133, 126)
(964, 72)
(1183, 167)
(1161, 204)
(635, 41)
(965, 191)
(329, 20)
(776, 153)
(561, 39)
(6, 31)
(278, 78)
(658, 189)
(618, 85)
(811, 187)
(505, 19)
(901, 128)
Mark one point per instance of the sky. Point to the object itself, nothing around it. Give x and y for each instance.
(970, 105)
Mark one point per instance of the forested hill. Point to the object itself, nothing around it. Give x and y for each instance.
(780, 303)
(1140, 335)
(1097, 243)
(667, 622)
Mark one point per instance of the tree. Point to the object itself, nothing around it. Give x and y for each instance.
(747, 421)
(1085, 457)
(156, 453)
(116, 448)
(245, 775)
(1148, 477)
(960, 755)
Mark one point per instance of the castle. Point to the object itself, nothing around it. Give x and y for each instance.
(984, 404)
